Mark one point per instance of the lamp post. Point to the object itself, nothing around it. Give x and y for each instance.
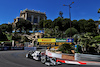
(69, 17)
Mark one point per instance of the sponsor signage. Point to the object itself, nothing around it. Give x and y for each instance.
(57, 43)
(70, 40)
(46, 40)
(60, 40)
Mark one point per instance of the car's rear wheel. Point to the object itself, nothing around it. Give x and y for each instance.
(43, 60)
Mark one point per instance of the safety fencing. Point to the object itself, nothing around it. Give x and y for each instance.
(17, 48)
(87, 57)
(30, 48)
(10, 48)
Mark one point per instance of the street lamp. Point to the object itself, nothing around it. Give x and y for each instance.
(69, 16)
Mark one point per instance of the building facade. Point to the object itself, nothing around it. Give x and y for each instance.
(33, 16)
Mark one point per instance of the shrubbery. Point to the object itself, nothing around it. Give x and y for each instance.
(66, 48)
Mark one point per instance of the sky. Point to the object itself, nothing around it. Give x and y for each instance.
(80, 9)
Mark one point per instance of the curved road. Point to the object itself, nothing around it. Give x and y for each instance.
(17, 59)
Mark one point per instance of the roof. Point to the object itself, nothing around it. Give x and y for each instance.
(32, 11)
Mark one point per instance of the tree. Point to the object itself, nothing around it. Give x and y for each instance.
(82, 24)
(47, 24)
(2, 36)
(73, 31)
(65, 24)
(6, 28)
(61, 13)
(75, 24)
(90, 26)
(41, 23)
(86, 41)
(65, 48)
(99, 10)
(58, 22)
(76, 37)
(87, 26)
(24, 24)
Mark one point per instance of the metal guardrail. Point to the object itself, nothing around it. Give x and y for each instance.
(3, 48)
(87, 57)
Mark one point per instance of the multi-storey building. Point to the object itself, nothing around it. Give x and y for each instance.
(33, 16)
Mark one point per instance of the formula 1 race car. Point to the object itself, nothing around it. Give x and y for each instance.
(37, 55)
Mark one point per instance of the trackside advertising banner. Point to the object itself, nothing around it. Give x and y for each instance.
(60, 40)
(51, 54)
(47, 40)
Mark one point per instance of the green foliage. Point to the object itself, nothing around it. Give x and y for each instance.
(9, 36)
(65, 48)
(82, 26)
(24, 39)
(61, 13)
(87, 26)
(97, 38)
(58, 22)
(23, 24)
(76, 37)
(45, 24)
(3, 36)
(41, 23)
(49, 32)
(99, 10)
(73, 31)
(87, 40)
(6, 28)
(16, 37)
(65, 24)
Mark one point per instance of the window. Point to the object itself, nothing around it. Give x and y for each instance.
(37, 36)
(29, 18)
(35, 20)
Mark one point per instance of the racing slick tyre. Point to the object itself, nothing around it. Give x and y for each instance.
(43, 60)
(27, 56)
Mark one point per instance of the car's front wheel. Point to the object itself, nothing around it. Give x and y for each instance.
(26, 55)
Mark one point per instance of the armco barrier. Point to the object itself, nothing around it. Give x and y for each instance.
(30, 48)
(17, 48)
(60, 58)
(1, 48)
(4, 48)
(87, 57)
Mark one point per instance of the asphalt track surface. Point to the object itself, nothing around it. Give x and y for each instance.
(18, 59)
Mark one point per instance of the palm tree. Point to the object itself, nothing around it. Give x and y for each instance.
(86, 40)
(99, 10)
